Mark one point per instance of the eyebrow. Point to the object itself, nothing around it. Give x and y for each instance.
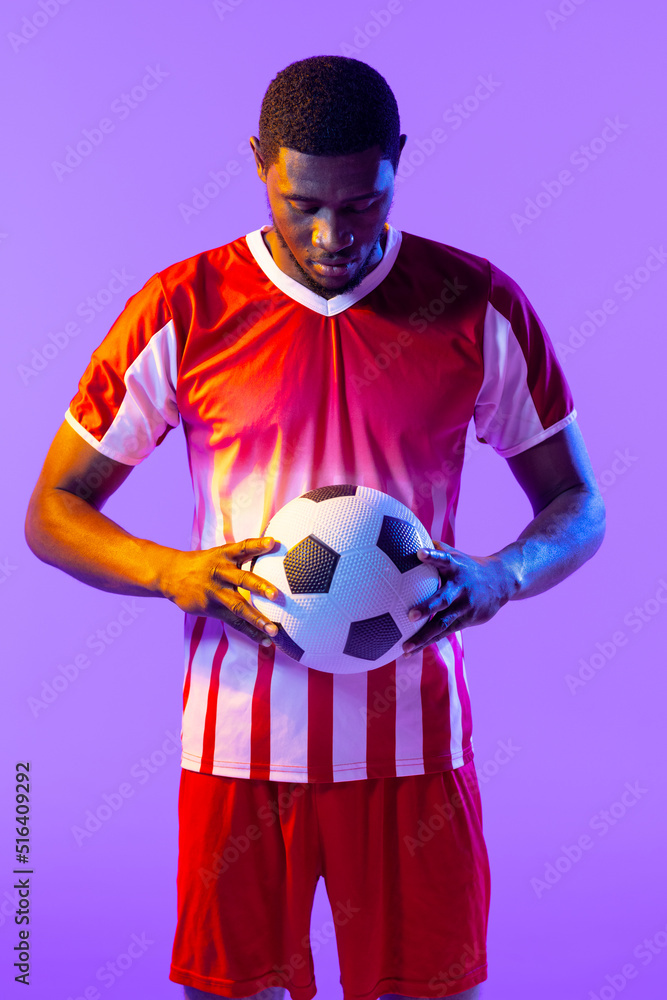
(359, 197)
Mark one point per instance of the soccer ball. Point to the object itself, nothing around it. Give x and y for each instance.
(347, 574)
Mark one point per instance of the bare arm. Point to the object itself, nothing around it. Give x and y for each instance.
(65, 528)
(567, 529)
(569, 514)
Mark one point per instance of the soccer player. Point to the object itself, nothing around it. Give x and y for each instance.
(326, 348)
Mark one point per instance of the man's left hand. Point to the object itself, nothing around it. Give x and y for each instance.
(473, 589)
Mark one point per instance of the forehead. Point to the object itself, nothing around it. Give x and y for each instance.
(334, 178)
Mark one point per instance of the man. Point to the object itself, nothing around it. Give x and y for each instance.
(325, 349)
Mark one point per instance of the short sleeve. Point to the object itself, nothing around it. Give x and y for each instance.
(524, 397)
(126, 401)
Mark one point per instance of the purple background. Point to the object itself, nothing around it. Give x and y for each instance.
(553, 86)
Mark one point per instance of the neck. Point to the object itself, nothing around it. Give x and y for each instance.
(287, 263)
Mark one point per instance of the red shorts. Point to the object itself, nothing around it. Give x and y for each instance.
(404, 864)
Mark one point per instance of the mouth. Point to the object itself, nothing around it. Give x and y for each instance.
(333, 269)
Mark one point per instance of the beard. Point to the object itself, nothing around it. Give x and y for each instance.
(310, 282)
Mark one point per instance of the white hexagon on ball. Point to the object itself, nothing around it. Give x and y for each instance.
(348, 574)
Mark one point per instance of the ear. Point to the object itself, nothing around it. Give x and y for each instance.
(254, 144)
(402, 139)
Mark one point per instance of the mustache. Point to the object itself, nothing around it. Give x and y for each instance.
(331, 260)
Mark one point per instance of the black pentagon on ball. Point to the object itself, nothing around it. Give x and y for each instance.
(400, 541)
(309, 566)
(327, 492)
(287, 644)
(370, 638)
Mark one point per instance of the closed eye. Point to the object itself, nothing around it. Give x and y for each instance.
(354, 211)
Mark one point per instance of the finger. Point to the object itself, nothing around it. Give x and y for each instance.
(444, 561)
(242, 612)
(439, 601)
(248, 547)
(443, 623)
(441, 557)
(410, 649)
(248, 581)
(246, 629)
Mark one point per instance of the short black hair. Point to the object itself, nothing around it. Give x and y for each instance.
(329, 106)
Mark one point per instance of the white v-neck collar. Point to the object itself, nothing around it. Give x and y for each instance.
(310, 299)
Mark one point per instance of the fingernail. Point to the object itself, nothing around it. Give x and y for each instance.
(266, 642)
(409, 648)
(271, 628)
(414, 614)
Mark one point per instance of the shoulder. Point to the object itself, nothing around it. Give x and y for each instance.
(206, 266)
(422, 254)
(431, 257)
(434, 269)
(419, 248)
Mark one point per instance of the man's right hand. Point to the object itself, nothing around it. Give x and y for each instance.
(205, 583)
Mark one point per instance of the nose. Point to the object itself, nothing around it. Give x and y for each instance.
(330, 234)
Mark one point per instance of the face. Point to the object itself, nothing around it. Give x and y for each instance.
(328, 214)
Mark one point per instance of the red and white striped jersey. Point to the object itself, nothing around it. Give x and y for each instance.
(281, 391)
